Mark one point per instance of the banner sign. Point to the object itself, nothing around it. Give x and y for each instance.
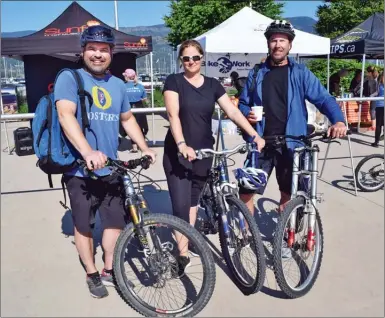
(348, 48)
(222, 65)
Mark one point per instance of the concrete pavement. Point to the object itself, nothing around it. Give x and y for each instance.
(41, 276)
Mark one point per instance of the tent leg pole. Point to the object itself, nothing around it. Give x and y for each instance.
(352, 163)
(326, 120)
(361, 93)
(219, 129)
(5, 125)
(152, 99)
(350, 150)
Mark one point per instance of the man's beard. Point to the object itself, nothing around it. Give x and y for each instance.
(276, 61)
(96, 70)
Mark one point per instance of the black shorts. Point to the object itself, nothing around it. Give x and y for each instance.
(87, 196)
(279, 158)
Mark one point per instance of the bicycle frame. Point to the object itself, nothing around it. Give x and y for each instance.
(309, 168)
(220, 187)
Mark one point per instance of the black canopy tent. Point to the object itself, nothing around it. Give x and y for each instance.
(57, 46)
(366, 38)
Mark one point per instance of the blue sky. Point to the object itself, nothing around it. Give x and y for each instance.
(16, 15)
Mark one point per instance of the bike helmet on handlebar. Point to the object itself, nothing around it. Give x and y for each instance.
(251, 178)
(97, 33)
(280, 26)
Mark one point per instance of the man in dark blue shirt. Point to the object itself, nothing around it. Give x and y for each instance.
(281, 87)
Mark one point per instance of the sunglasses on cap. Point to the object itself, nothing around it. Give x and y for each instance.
(195, 58)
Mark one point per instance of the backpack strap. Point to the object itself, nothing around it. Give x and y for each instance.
(256, 69)
(64, 205)
(82, 97)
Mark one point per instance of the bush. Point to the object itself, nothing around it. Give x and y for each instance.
(319, 68)
(23, 108)
(158, 98)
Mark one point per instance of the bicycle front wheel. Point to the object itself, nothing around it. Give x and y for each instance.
(242, 247)
(296, 268)
(370, 173)
(148, 279)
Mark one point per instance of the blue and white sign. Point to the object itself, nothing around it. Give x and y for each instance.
(221, 65)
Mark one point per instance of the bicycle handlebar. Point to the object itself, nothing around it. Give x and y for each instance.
(144, 162)
(205, 153)
(322, 133)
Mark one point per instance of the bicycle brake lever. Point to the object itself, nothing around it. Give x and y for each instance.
(199, 155)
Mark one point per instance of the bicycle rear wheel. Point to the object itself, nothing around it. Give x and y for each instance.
(152, 270)
(372, 180)
(242, 241)
(288, 261)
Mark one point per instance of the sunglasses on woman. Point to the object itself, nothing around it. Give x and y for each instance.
(195, 58)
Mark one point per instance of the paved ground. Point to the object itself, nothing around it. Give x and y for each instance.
(41, 276)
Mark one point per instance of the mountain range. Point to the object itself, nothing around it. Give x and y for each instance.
(161, 49)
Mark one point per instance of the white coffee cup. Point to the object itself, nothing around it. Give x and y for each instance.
(258, 112)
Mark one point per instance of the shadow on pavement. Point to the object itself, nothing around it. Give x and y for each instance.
(265, 215)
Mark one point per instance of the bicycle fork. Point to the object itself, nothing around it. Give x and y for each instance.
(132, 201)
(311, 202)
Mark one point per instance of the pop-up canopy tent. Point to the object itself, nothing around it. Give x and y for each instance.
(366, 38)
(57, 46)
(239, 42)
(365, 41)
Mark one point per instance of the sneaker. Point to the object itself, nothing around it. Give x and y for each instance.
(375, 144)
(192, 250)
(178, 270)
(97, 289)
(107, 279)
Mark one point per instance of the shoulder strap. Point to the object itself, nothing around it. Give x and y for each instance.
(256, 69)
(82, 95)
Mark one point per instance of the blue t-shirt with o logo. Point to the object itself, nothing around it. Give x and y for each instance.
(110, 99)
(136, 92)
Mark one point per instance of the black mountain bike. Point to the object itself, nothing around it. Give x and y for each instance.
(227, 215)
(370, 180)
(145, 263)
(299, 236)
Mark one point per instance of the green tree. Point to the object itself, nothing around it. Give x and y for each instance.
(336, 16)
(190, 18)
(319, 68)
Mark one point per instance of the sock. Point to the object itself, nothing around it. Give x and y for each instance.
(109, 271)
(96, 274)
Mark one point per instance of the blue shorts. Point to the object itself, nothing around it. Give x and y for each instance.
(281, 159)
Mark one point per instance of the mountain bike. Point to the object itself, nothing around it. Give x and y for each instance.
(149, 248)
(373, 180)
(299, 234)
(227, 215)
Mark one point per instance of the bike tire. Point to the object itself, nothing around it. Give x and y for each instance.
(256, 241)
(357, 173)
(196, 238)
(277, 248)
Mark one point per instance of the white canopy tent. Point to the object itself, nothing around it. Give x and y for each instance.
(239, 42)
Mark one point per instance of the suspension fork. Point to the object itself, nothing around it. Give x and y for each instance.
(310, 242)
(131, 203)
(294, 190)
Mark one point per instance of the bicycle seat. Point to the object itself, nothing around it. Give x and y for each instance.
(310, 129)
